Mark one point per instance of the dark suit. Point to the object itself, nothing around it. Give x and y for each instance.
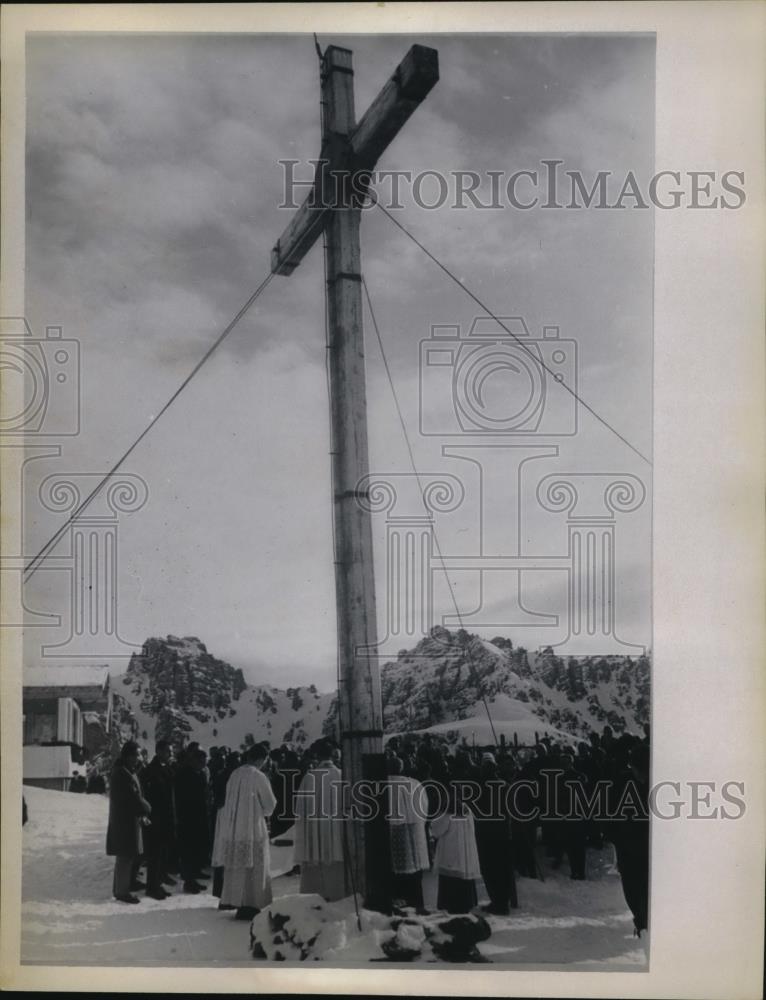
(492, 828)
(123, 836)
(630, 835)
(157, 784)
(192, 824)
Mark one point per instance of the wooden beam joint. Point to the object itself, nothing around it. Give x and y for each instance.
(340, 181)
(347, 275)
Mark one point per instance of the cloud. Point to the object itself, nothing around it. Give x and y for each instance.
(152, 190)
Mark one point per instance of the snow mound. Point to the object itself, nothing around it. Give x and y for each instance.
(304, 927)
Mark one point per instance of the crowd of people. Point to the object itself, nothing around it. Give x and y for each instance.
(90, 780)
(489, 813)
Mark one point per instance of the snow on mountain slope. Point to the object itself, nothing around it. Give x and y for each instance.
(510, 718)
(445, 676)
(174, 688)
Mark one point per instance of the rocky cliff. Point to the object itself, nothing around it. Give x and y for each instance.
(175, 688)
(451, 682)
(452, 677)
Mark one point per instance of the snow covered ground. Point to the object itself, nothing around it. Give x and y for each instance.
(70, 918)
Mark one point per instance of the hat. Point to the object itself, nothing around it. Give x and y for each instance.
(488, 758)
(322, 747)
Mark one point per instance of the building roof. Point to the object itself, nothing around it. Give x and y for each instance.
(79, 676)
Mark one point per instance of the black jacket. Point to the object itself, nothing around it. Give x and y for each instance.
(126, 807)
(157, 784)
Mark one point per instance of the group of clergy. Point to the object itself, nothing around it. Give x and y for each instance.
(241, 845)
(158, 812)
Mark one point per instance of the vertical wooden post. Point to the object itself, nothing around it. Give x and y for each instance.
(360, 708)
(348, 146)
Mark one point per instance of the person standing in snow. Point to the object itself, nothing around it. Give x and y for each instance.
(220, 782)
(128, 813)
(215, 765)
(629, 832)
(191, 817)
(242, 840)
(157, 783)
(492, 827)
(319, 827)
(457, 859)
(575, 827)
(407, 813)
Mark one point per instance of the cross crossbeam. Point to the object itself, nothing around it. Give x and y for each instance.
(410, 83)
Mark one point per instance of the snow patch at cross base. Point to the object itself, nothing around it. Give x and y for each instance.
(301, 927)
(68, 915)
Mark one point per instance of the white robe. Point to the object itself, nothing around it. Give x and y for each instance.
(407, 812)
(319, 832)
(319, 816)
(456, 853)
(242, 838)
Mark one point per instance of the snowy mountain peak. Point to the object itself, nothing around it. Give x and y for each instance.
(175, 688)
(448, 677)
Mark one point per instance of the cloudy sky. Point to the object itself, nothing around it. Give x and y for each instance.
(153, 188)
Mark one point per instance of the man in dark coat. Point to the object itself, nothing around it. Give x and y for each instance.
(524, 810)
(191, 817)
(629, 832)
(493, 838)
(575, 826)
(128, 813)
(565, 792)
(157, 784)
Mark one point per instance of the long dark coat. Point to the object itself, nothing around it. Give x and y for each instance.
(126, 807)
(492, 828)
(157, 784)
(630, 835)
(191, 811)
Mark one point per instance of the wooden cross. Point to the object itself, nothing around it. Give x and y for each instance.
(333, 207)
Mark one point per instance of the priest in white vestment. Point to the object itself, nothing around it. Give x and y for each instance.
(319, 829)
(407, 814)
(242, 837)
(457, 859)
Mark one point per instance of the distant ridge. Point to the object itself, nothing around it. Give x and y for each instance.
(174, 687)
